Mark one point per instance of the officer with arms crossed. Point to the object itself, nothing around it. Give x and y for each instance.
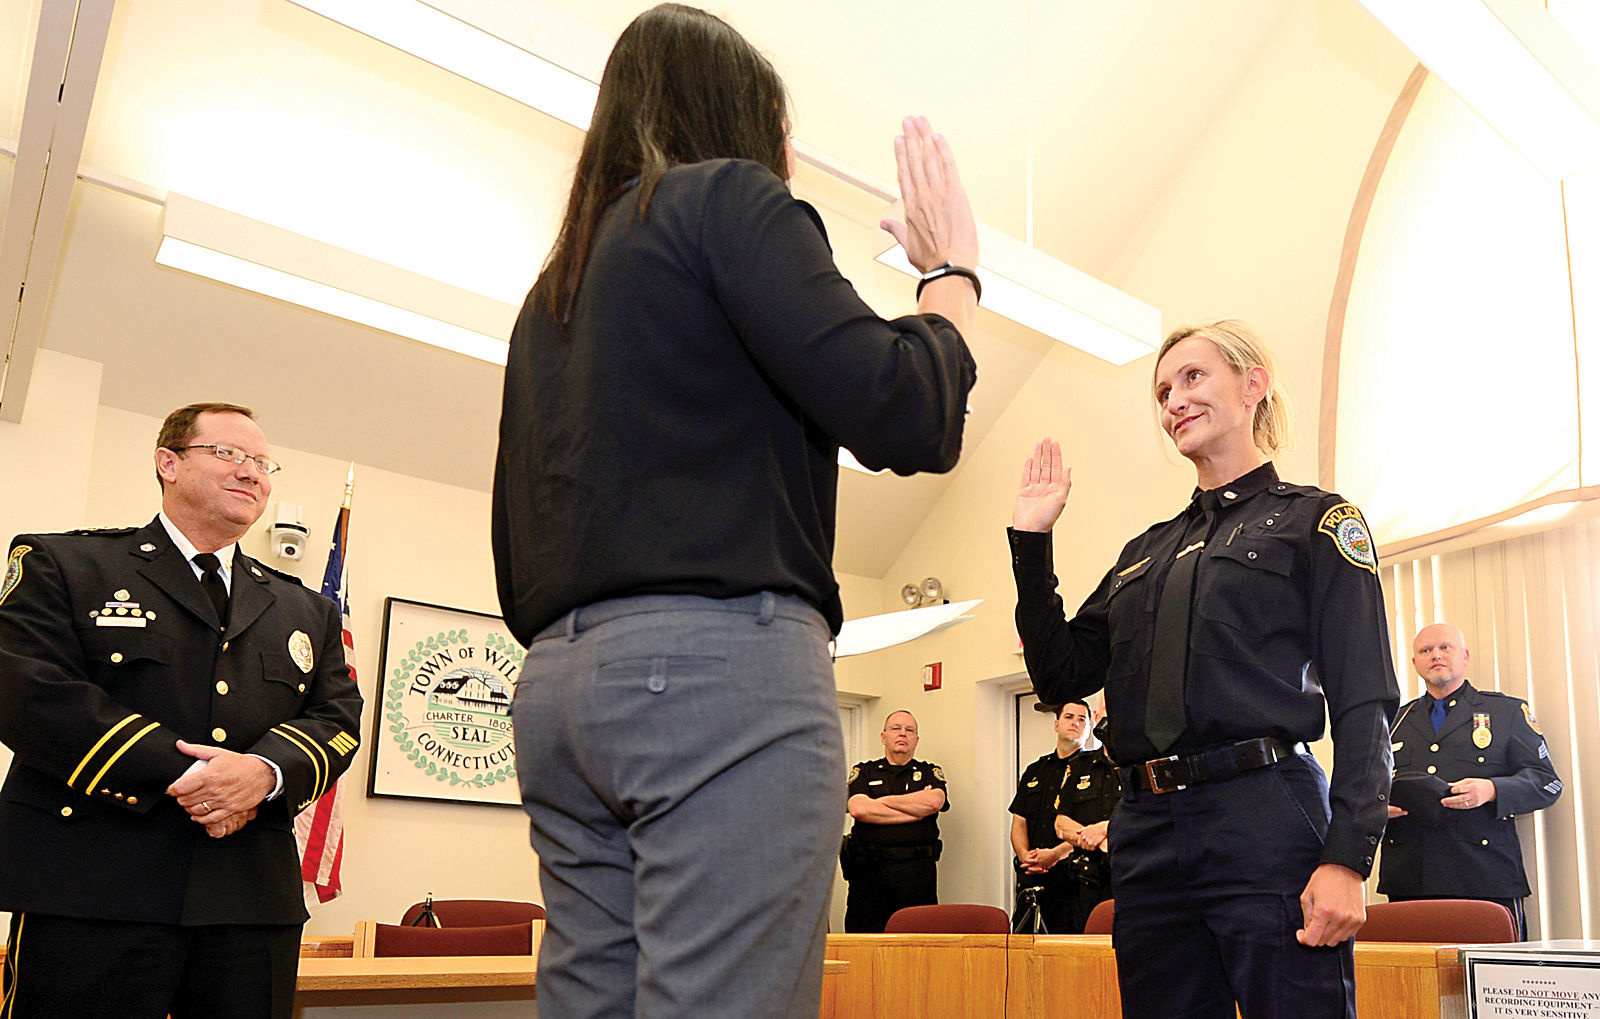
(1058, 829)
(171, 705)
(1491, 751)
(892, 852)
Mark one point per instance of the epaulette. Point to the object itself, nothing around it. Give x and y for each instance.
(280, 574)
(102, 532)
(1307, 490)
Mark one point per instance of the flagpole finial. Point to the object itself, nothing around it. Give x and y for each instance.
(350, 484)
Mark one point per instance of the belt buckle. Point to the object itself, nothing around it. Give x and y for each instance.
(1158, 775)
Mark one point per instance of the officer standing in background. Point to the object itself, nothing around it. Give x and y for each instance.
(171, 704)
(891, 855)
(1490, 749)
(1058, 828)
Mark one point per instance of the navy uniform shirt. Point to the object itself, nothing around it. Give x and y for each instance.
(1288, 629)
(878, 779)
(1083, 787)
(1470, 853)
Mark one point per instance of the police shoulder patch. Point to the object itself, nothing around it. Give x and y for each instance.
(855, 773)
(1343, 524)
(1533, 723)
(938, 773)
(13, 571)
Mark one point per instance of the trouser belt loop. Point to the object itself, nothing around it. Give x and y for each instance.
(572, 624)
(769, 608)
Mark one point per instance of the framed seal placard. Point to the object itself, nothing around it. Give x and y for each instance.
(442, 730)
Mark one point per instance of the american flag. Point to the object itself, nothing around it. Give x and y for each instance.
(320, 830)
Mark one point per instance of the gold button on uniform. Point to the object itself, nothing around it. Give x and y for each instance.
(219, 734)
(302, 688)
(66, 811)
(116, 656)
(222, 687)
(133, 801)
(1434, 748)
(1480, 760)
(1432, 769)
(1485, 841)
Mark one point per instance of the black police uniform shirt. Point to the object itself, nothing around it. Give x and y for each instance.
(1082, 786)
(1470, 853)
(878, 779)
(1288, 627)
(110, 652)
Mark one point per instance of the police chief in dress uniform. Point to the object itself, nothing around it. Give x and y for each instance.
(1224, 638)
(1491, 751)
(1058, 829)
(171, 704)
(892, 852)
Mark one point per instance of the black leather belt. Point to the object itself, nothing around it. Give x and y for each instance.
(1169, 774)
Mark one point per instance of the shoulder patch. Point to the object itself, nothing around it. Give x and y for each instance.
(855, 773)
(1343, 524)
(938, 773)
(1533, 723)
(13, 571)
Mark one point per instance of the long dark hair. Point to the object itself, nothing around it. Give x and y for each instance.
(681, 86)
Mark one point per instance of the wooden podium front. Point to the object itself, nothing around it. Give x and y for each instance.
(978, 976)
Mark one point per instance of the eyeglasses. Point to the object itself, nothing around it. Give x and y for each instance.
(264, 464)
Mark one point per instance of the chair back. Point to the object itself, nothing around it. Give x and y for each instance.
(386, 940)
(1101, 917)
(954, 918)
(1439, 921)
(476, 912)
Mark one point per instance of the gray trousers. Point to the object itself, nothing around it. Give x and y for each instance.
(682, 768)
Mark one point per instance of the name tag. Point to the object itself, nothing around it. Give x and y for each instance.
(119, 620)
(876, 781)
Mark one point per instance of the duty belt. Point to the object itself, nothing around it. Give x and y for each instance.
(1169, 774)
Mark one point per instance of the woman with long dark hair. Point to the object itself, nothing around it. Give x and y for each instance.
(680, 381)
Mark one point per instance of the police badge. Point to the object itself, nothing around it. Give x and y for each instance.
(300, 650)
(1481, 736)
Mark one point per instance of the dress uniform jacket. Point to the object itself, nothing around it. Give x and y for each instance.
(1288, 623)
(1473, 853)
(110, 652)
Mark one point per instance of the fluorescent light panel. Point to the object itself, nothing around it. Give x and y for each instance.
(447, 42)
(1023, 284)
(242, 252)
(1015, 285)
(1514, 65)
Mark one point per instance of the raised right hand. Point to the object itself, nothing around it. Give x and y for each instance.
(1043, 493)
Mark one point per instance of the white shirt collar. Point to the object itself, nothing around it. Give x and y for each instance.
(224, 554)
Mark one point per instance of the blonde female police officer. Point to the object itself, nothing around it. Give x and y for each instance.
(1222, 637)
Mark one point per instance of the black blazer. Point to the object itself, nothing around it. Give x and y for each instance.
(110, 652)
(1471, 853)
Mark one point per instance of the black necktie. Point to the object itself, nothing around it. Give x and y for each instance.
(1164, 719)
(211, 581)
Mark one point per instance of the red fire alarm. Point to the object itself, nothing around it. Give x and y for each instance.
(932, 676)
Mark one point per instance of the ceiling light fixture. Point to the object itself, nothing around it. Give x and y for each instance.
(1020, 282)
(462, 48)
(246, 253)
(1516, 66)
(1049, 296)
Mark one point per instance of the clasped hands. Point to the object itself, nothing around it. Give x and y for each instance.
(1465, 794)
(221, 789)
